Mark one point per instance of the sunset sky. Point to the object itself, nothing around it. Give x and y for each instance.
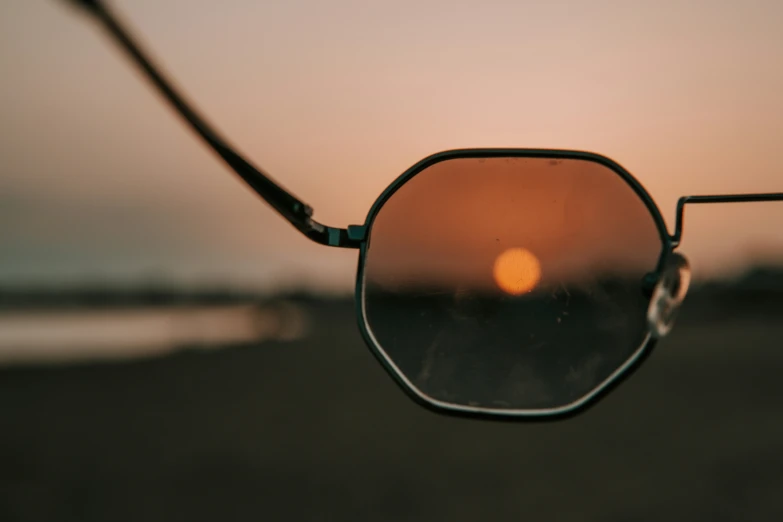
(578, 219)
(100, 182)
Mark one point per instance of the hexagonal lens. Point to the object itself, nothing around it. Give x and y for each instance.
(510, 283)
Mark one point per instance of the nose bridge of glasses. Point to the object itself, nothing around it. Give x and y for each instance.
(676, 238)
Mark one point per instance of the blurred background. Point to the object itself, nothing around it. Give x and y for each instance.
(172, 349)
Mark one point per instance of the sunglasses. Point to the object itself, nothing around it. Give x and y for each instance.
(496, 283)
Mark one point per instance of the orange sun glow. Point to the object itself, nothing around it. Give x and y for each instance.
(517, 271)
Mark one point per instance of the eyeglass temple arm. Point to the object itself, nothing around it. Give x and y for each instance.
(727, 198)
(286, 204)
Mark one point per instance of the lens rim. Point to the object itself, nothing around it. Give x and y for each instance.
(442, 407)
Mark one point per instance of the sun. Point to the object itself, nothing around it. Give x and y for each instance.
(517, 271)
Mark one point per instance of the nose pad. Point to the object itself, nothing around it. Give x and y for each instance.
(668, 294)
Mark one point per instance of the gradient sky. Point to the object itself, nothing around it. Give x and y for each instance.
(335, 99)
(579, 219)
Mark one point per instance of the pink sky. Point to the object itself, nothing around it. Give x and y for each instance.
(337, 98)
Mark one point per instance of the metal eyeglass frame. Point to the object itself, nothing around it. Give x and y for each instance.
(300, 215)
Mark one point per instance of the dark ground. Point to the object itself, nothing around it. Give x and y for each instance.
(315, 430)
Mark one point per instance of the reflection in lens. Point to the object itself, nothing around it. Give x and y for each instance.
(510, 283)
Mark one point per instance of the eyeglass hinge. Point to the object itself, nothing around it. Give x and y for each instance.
(357, 232)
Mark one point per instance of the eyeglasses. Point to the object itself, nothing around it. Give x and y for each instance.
(497, 283)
